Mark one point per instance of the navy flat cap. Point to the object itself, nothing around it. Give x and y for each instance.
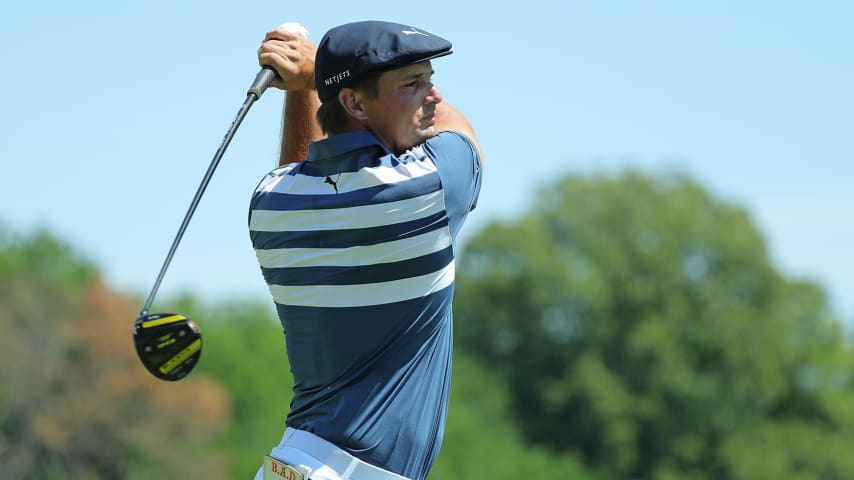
(350, 51)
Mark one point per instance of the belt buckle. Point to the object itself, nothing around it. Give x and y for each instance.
(275, 469)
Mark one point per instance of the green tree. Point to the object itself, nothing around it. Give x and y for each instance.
(639, 323)
(481, 441)
(74, 400)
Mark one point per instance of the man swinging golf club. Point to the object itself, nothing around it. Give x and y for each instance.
(355, 236)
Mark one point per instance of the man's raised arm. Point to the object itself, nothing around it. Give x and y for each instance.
(291, 54)
(449, 118)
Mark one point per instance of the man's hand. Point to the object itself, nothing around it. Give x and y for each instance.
(291, 54)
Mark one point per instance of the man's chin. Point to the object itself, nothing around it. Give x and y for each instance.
(428, 133)
(422, 136)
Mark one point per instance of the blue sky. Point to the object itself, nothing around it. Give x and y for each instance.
(113, 111)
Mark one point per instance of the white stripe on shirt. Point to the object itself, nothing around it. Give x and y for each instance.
(364, 294)
(364, 216)
(279, 181)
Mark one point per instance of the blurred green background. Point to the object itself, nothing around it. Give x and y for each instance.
(628, 327)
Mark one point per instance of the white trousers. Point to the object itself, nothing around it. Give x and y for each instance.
(321, 460)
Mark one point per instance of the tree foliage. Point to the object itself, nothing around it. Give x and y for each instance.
(639, 324)
(74, 400)
(481, 441)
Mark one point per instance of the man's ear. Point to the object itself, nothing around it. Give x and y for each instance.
(352, 103)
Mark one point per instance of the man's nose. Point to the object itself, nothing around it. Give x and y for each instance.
(435, 96)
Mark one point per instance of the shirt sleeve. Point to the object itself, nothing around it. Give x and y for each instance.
(458, 162)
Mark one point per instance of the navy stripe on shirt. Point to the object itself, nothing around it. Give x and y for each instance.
(347, 238)
(365, 196)
(382, 272)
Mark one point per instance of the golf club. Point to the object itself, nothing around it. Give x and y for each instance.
(170, 344)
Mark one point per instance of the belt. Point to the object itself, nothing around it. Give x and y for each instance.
(346, 465)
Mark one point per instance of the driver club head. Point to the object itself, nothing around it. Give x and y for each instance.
(168, 344)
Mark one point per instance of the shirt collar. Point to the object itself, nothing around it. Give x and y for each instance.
(342, 143)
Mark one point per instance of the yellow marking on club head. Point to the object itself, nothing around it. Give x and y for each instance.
(166, 342)
(163, 321)
(181, 356)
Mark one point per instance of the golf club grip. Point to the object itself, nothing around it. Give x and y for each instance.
(266, 76)
(263, 80)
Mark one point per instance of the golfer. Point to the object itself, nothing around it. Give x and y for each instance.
(355, 236)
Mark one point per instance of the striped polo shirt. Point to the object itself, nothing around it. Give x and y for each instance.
(357, 247)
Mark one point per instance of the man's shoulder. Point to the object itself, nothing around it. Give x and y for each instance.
(450, 139)
(453, 146)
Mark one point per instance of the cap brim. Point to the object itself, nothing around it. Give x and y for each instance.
(398, 63)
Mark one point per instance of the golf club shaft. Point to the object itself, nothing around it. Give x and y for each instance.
(262, 81)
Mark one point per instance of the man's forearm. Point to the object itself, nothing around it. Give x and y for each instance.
(299, 126)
